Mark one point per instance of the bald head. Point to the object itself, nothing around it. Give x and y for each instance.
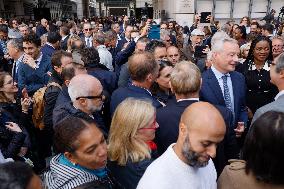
(84, 85)
(173, 54)
(203, 114)
(201, 128)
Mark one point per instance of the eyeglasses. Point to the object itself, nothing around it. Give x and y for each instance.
(88, 29)
(101, 97)
(153, 126)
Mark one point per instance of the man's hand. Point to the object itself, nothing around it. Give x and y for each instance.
(30, 61)
(240, 129)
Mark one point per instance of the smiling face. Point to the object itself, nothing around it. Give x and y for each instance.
(261, 51)
(226, 60)
(9, 86)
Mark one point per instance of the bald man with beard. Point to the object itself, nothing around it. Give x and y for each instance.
(188, 163)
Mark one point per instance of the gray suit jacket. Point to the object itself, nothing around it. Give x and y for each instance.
(277, 105)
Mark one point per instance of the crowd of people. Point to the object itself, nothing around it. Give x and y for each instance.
(113, 103)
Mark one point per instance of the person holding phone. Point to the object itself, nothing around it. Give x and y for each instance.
(14, 138)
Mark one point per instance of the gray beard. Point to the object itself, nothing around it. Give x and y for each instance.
(191, 156)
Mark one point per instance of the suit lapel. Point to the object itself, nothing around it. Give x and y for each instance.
(215, 87)
(236, 87)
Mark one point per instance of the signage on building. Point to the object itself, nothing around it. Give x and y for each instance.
(185, 6)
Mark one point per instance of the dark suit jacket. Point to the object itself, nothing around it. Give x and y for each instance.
(47, 50)
(120, 44)
(40, 30)
(168, 119)
(63, 44)
(33, 79)
(122, 56)
(131, 91)
(211, 92)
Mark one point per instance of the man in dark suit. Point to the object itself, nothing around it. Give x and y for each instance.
(143, 72)
(53, 43)
(124, 39)
(87, 37)
(65, 34)
(222, 85)
(16, 52)
(35, 72)
(185, 83)
(41, 28)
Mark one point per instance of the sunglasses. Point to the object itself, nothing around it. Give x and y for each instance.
(101, 97)
(88, 29)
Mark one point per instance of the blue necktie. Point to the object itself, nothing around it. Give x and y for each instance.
(227, 96)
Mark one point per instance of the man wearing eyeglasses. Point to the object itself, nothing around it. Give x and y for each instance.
(86, 93)
(87, 37)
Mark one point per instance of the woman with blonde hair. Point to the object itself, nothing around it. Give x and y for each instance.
(131, 147)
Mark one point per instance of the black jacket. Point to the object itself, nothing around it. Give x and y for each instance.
(50, 98)
(67, 109)
(130, 174)
(11, 142)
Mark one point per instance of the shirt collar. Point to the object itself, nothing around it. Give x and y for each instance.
(195, 99)
(39, 58)
(218, 74)
(265, 67)
(49, 44)
(279, 94)
(62, 39)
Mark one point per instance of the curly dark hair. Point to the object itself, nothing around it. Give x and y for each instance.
(150, 47)
(15, 175)
(90, 56)
(263, 148)
(32, 38)
(252, 47)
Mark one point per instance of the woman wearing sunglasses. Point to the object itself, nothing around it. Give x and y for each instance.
(131, 147)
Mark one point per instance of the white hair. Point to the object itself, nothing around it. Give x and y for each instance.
(80, 85)
(218, 40)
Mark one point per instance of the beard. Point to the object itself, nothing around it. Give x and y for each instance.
(92, 108)
(192, 156)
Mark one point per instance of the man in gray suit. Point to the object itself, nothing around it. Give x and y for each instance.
(277, 78)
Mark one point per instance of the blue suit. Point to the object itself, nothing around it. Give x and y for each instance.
(211, 92)
(47, 50)
(33, 79)
(120, 44)
(168, 119)
(131, 91)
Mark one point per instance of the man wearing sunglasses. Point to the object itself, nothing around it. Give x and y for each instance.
(86, 93)
(87, 37)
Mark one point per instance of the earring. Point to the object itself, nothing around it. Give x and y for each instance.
(73, 163)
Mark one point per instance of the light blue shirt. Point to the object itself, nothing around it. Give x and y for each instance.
(219, 75)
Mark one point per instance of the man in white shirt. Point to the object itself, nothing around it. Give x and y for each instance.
(105, 55)
(277, 78)
(188, 164)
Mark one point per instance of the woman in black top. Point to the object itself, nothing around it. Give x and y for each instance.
(161, 88)
(256, 71)
(14, 138)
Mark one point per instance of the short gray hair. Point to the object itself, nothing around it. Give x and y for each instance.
(280, 63)
(16, 43)
(185, 78)
(23, 25)
(218, 45)
(100, 38)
